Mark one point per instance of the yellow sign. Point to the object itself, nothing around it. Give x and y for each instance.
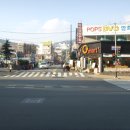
(47, 43)
(86, 50)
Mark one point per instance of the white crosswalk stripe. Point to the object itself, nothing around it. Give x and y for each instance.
(20, 74)
(35, 74)
(65, 75)
(31, 74)
(70, 73)
(25, 74)
(59, 74)
(82, 75)
(13, 76)
(48, 74)
(41, 75)
(76, 74)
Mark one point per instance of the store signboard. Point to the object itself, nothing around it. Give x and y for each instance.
(117, 48)
(94, 30)
(47, 43)
(79, 36)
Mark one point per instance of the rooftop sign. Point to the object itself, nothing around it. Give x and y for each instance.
(93, 30)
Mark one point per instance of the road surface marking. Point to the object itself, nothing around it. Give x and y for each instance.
(31, 74)
(82, 75)
(11, 85)
(65, 74)
(20, 74)
(70, 73)
(76, 74)
(48, 74)
(41, 75)
(33, 100)
(7, 76)
(25, 74)
(12, 75)
(36, 74)
(59, 74)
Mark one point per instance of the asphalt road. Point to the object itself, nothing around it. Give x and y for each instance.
(63, 105)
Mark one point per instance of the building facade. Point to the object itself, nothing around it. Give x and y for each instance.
(101, 45)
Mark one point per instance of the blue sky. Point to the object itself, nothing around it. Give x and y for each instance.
(49, 16)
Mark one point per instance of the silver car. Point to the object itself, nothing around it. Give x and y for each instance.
(44, 65)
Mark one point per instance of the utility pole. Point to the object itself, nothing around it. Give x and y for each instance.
(70, 38)
(115, 53)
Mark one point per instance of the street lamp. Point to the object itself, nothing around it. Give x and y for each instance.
(115, 53)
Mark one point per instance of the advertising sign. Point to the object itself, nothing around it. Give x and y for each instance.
(47, 43)
(79, 33)
(94, 30)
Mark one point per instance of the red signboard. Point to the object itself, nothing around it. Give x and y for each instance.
(79, 35)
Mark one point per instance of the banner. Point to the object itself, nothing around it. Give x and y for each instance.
(94, 30)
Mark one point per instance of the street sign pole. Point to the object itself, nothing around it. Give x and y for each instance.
(115, 54)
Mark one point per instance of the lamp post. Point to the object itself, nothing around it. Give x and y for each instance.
(115, 53)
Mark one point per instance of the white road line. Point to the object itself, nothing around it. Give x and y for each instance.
(36, 74)
(65, 74)
(12, 76)
(48, 86)
(33, 100)
(20, 74)
(30, 75)
(76, 74)
(11, 85)
(82, 75)
(54, 73)
(25, 74)
(59, 74)
(48, 74)
(28, 87)
(41, 75)
(6, 76)
(70, 74)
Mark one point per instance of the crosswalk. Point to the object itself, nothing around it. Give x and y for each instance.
(45, 74)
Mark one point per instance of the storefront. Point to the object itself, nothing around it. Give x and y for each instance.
(102, 54)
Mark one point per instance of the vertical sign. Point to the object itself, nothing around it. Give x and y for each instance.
(79, 33)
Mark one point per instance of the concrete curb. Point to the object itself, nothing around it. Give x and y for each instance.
(112, 77)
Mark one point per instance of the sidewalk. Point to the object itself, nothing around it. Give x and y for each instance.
(5, 71)
(112, 76)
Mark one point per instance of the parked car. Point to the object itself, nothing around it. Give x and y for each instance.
(44, 65)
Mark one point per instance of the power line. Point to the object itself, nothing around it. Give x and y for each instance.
(35, 33)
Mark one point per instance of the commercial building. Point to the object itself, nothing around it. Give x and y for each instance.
(44, 51)
(99, 44)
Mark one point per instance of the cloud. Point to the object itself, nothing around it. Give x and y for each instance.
(127, 19)
(59, 29)
(36, 31)
(56, 25)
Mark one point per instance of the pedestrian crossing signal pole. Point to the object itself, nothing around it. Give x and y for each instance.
(115, 53)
